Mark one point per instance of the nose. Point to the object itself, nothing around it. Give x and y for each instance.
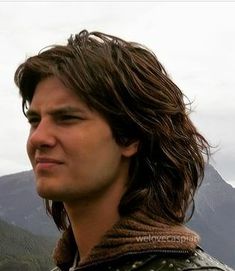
(42, 135)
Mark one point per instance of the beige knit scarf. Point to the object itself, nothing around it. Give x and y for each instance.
(135, 233)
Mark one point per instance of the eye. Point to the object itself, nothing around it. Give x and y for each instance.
(33, 121)
(68, 118)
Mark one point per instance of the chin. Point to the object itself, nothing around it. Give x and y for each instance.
(45, 187)
(44, 195)
(47, 193)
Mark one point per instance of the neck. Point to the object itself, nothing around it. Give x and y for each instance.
(90, 219)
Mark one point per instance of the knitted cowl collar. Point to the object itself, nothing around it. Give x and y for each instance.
(135, 233)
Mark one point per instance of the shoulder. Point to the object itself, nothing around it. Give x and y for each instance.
(205, 261)
(198, 261)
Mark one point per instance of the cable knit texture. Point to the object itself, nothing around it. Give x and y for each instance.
(137, 232)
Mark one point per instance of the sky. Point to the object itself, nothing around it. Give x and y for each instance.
(195, 41)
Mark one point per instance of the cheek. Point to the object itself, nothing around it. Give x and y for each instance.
(92, 148)
(30, 150)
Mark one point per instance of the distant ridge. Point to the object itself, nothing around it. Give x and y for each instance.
(214, 217)
(20, 205)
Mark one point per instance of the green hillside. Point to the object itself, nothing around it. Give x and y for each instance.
(23, 251)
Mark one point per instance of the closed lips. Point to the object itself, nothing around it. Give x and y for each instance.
(47, 160)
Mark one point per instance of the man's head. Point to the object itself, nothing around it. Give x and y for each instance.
(126, 84)
(72, 150)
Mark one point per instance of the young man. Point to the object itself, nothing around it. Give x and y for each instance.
(115, 155)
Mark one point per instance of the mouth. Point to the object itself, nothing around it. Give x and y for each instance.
(44, 163)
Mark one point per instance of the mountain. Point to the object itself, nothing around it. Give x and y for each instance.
(23, 251)
(213, 219)
(20, 205)
(214, 216)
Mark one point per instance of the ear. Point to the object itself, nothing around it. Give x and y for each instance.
(130, 149)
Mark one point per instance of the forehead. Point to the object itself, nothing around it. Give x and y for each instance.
(51, 91)
(52, 97)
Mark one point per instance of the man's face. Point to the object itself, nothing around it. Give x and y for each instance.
(71, 147)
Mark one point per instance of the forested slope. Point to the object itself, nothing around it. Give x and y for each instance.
(23, 251)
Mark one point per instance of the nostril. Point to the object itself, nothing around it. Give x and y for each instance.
(43, 146)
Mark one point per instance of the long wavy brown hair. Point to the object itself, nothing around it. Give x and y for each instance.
(126, 83)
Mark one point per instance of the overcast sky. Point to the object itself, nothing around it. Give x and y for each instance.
(195, 42)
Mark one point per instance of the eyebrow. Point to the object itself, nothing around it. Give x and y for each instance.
(57, 111)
